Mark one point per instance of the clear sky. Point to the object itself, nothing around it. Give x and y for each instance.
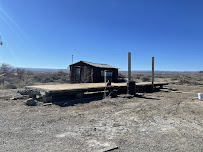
(46, 33)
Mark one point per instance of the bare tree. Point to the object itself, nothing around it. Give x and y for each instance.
(29, 73)
(5, 69)
(20, 73)
(61, 73)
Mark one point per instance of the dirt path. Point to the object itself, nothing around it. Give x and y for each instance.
(161, 121)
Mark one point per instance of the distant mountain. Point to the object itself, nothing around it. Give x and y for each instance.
(160, 72)
(43, 70)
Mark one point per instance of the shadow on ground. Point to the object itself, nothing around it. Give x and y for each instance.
(64, 101)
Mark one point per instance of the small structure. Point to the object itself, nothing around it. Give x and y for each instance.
(88, 72)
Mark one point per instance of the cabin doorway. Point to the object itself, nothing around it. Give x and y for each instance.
(77, 74)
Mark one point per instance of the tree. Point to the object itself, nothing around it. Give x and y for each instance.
(29, 73)
(5, 69)
(20, 73)
(61, 73)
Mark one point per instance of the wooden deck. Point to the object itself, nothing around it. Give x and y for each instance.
(86, 86)
(47, 92)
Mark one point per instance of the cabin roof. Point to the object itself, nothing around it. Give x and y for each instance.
(98, 65)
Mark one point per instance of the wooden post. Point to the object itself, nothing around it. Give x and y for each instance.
(129, 66)
(152, 73)
(1, 43)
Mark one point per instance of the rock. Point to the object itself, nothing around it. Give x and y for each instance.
(174, 89)
(20, 97)
(25, 97)
(126, 96)
(111, 147)
(165, 90)
(47, 104)
(31, 102)
(31, 93)
(13, 98)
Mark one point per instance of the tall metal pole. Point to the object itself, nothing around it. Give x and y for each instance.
(129, 66)
(72, 59)
(152, 73)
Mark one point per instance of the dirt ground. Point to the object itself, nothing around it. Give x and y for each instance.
(159, 121)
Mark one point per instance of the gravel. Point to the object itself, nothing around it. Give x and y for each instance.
(160, 121)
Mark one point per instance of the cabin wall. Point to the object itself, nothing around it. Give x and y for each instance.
(90, 74)
(97, 75)
(100, 78)
(72, 74)
(86, 74)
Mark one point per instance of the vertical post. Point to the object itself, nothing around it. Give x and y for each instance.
(152, 73)
(1, 43)
(129, 66)
(72, 59)
(130, 84)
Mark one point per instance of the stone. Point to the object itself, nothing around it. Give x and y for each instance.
(47, 104)
(13, 98)
(31, 102)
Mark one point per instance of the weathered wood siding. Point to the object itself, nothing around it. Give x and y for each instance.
(86, 74)
(90, 74)
(100, 78)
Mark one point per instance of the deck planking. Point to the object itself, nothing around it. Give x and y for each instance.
(86, 86)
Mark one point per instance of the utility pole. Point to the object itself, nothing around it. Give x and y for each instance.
(72, 59)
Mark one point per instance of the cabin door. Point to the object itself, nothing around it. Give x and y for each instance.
(77, 74)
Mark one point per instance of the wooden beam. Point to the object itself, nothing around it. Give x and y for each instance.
(152, 73)
(129, 66)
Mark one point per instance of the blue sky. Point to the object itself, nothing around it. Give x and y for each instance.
(46, 33)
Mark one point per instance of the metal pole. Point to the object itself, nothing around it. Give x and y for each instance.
(152, 73)
(72, 59)
(129, 66)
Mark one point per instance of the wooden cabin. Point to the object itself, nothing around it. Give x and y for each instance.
(88, 72)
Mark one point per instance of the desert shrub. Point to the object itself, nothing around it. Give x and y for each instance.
(145, 78)
(188, 79)
(29, 73)
(59, 77)
(160, 76)
(20, 73)
(43, 77)
(183, 81)
(65, 79)
(121, 77)
(2, 80)
(46, 79)
(188, 82)
(10, 86)
(5, 68)
(198, 77)
(11, 78)
(174, 77)
(138, 76)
